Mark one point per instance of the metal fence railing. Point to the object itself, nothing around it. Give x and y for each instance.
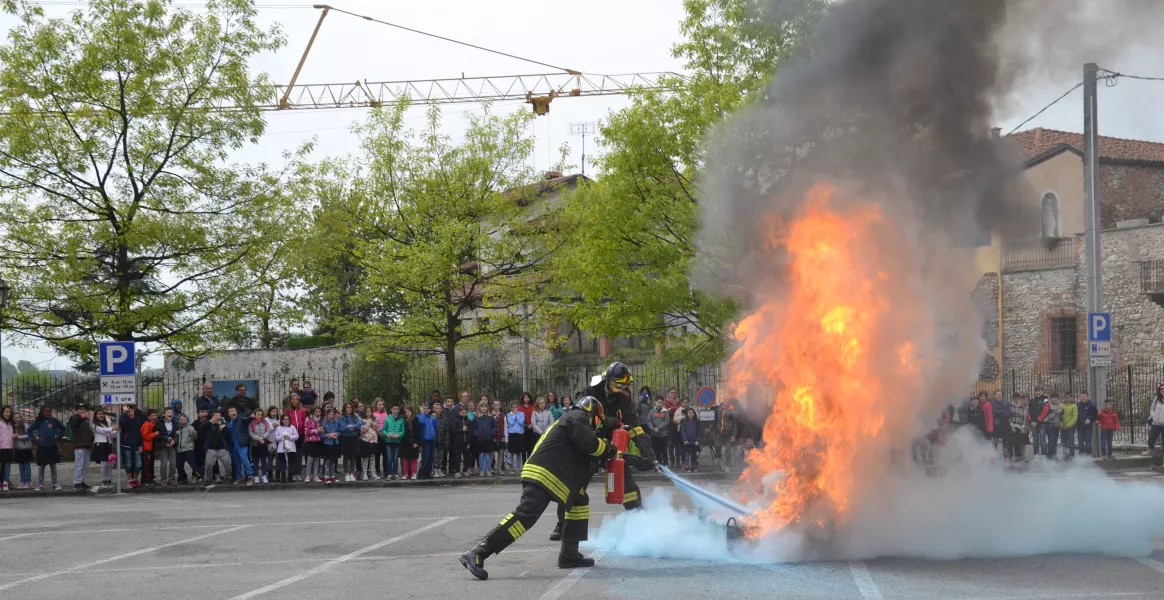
(1047, 253)
(1129, 387)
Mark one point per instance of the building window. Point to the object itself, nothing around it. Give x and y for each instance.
(1050, 215)
(1064, 343)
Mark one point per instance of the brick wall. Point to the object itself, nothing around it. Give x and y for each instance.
(1128, 191)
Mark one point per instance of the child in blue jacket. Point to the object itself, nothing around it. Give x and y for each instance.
(45, 432)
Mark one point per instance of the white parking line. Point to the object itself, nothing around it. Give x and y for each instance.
(95, 563)
(1154, 564)
(12, 537)
(864, 580)
(340, 560)
(568, 581)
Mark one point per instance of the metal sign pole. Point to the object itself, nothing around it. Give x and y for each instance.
(117, 463)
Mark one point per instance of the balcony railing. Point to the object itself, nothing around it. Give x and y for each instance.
(1047, 253)
(1152, 277)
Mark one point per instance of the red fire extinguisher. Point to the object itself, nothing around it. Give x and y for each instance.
(615, 468)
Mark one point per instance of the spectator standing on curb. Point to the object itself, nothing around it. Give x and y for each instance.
(350, 445)
(1001, 411)
(285, 437)
(1013, 446)
(45, 432)
(689, 433)
(166, 448)
(217, 440)
(462, 433)
(298, 414)
(392, 432)
(129, 425)
(1088, 415)
(726, 431)
(379, 413)
(258, 431)
(553, 405)
(656, 423)
(149, 434)
(199, 466)
(541, 420)
(1109, 423)
(1156, 418)
(22, 444)
(515, 438)
(1068, 423)
(499, 435)
(313, 445)
(184, 454)
(240, 434)
(83, 441)
(7, 446)
(484, 432)
(671, 403)
(1053, 421)
(370, 445)
(441, 414)
(409, 445)
(331, 445)
(426, 431)
(645, 405)
(207, 400)
(103, 445)
(1037, 410)
(527, 409)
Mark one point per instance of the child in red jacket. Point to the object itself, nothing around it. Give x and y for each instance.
(1109, 423)
(148, 433)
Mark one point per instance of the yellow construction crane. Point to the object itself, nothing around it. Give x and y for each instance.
(537, 89)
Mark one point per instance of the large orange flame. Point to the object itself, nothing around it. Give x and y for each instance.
(832, 341)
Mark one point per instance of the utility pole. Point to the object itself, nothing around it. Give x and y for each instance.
(524, 351)
(1097, 376)
(583, 129)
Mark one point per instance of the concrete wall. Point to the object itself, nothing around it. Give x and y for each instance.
(1031, 298)
(253, 363)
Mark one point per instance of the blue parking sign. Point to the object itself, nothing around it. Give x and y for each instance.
(1099, 327)
(115, 358)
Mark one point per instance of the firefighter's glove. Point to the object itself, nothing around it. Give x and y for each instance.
(610, 452)
(638, 462)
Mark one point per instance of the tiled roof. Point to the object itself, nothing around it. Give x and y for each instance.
(1036, 142)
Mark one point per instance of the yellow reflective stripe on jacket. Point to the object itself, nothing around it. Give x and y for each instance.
(507, 517)
(630, 497)
(578, 513)
(517, 530)
(546, 478)
(601, 448)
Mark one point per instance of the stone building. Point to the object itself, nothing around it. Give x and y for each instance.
(1043, 282)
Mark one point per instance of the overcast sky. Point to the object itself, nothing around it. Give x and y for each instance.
(599, 36)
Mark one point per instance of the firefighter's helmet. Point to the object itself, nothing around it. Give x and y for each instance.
(618, 376)
(593, 407)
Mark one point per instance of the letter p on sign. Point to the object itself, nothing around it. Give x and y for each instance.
(1099, 327)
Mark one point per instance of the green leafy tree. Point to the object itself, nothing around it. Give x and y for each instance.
(24, 366)
(632, 243)
(7, 369)
(120, 219)
(451, 231)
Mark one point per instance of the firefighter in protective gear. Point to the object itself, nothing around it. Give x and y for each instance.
(613, 390)
(557, 471)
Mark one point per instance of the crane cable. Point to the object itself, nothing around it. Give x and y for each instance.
(441, 37)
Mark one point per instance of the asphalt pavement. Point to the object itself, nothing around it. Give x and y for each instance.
(376, 542)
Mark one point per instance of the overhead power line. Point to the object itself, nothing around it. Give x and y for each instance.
(1045, 108)
(1115, 75)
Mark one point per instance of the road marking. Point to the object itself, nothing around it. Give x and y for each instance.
(12, 537)
(568, 581)
(216, 504)
(95, 563)
(1154, 564)
(864, 580)
(340, 560)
